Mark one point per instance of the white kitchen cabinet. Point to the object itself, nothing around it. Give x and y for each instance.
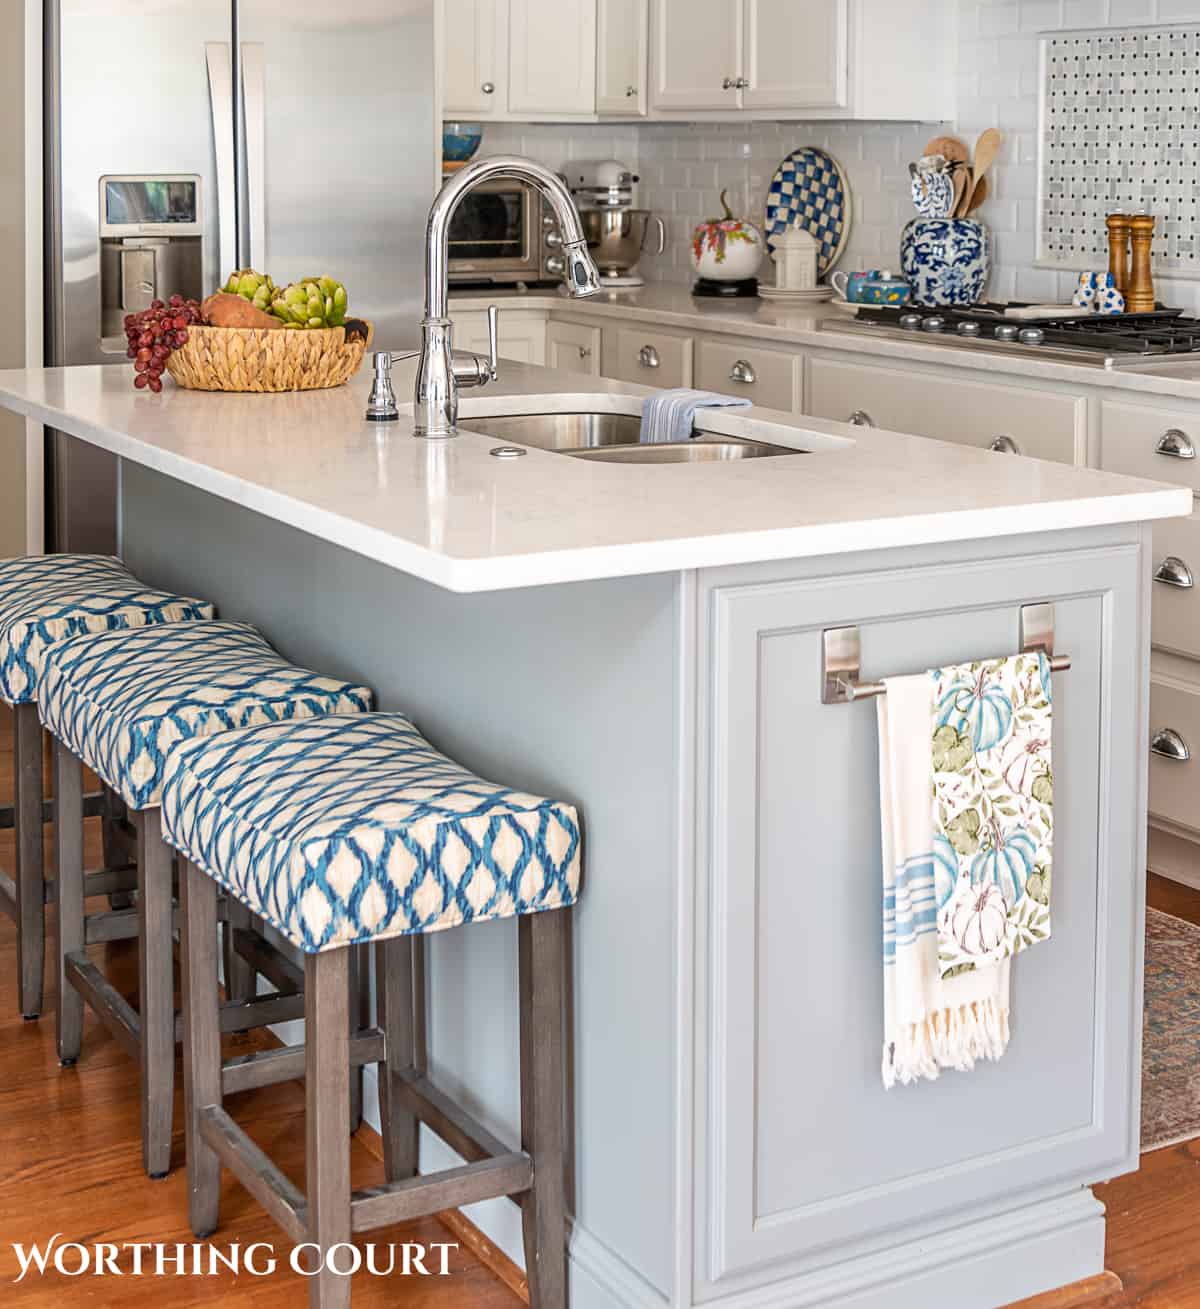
(573, 347)
(552, 57)
(475, 44)
(803, 58)
(761, 374)
(522, 335)
(652, 356)
(796, 53)
(696, 52)
(621, 41)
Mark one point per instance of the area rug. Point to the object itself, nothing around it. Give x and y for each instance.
(1171, 1033)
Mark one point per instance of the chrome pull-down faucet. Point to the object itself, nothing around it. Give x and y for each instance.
(439, 374)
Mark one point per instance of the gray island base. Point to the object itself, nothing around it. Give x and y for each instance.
(733, 1143)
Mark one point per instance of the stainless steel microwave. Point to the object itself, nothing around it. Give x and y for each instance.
(504, 232)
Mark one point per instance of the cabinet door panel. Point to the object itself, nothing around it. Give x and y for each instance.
(552, 56)
(522, 336)
(1177, 608)
(574, 347)
(1042, 424)
(621, 42)
(1134, 437)
(474, 54)
(800, 1158)
(796, 54)
(765, 376)
(1173, 782)
(696, 46)
(651, 356)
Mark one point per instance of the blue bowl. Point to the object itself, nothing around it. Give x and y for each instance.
(460, 141)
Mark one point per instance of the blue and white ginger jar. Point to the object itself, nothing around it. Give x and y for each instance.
(946, 261)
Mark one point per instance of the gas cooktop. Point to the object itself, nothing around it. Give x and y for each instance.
(1101, 340)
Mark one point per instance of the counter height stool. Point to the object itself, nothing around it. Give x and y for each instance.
(45, 599)
(119, 702)
(344, 830)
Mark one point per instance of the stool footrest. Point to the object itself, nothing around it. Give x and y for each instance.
(462, 1133)
(93, 807)
(112, 925)
(268, 1184)
(110, 1006)
(286, 1064)
(268, 960)
(242, 1015)
(417, 1197)
(104, 881)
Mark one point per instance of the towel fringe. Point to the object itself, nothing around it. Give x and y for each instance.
(946, 1038)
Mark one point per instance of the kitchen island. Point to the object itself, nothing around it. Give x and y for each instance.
(646, 642)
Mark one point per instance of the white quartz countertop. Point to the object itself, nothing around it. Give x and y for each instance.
(450, 513)
(816, 327)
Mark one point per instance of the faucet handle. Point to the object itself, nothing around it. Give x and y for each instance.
(493, 342)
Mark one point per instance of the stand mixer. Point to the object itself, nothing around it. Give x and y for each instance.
(615, 231)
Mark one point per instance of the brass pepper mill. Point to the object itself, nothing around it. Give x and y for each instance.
(1139, 298)
(1118, 250)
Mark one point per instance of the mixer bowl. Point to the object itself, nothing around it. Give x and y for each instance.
(616, 238)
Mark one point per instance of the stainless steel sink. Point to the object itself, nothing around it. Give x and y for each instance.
(613, 438)
(559, 431)
(702, 450)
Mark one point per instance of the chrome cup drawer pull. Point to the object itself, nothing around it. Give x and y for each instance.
(860, 418)
(743, 371)
(1168, 744)
(648, 357)
(1005, 445)
(1174, 572)
(1175, 443)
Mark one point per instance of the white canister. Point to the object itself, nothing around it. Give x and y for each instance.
(795, 258)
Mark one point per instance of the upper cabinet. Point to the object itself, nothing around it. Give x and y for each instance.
(552, 56)
(621, 45)
(802, 59)
(475, 39)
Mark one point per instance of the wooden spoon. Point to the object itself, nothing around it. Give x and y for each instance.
(986, 150)
(962, 176)
(979, 195)
(950, 148)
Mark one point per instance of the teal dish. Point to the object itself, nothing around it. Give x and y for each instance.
(460, 141)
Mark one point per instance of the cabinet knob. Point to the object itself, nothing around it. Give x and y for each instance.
(1175, 443)
(553, 240)
(630, 91)
(585, 352)
(743, 371)
(1168, 744)
(742, 83)
(1005, 445)
(488, 88)
(860, 418)
(1174, 572)
(728, 84)
(648, 357)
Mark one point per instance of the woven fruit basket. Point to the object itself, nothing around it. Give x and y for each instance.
(266, 359)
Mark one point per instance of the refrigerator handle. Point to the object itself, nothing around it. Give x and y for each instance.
(255, 113)
(220, 95)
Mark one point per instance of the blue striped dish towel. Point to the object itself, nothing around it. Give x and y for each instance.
(930, 1021)
(668, 415)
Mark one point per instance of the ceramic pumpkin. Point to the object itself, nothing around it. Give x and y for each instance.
(979, 921)
(726, 249)
(1006, 863)
(978, 708)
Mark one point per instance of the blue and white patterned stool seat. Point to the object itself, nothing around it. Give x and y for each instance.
(48, 598)
(350, 829)
(121, 700)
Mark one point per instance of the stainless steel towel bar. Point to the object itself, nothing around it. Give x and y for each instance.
(842, 662)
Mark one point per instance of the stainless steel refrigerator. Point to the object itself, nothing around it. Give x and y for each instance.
(186, 138)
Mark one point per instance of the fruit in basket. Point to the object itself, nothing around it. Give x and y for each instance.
(223, 309)
(154, 333)
(253, 286)
(313, 302)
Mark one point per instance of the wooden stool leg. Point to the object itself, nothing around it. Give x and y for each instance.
(30, 880)
(201, 1043)
(360, 1017)
(241, 980)
(156, 993)
(395, 995)
(327, 1119)
(68, 844)
(543, 1083)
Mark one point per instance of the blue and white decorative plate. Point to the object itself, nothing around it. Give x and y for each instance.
(809, 190)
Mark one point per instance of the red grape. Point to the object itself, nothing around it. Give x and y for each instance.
(155, 385)
(153, 333)
(141, 380)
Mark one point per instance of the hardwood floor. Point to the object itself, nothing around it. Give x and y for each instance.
(70, 1163)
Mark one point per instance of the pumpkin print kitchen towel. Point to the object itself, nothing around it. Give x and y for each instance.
(993, 808)
(930, 1022)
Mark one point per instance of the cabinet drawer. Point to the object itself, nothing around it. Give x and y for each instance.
(574, 347)
(766, 377)
(1147, 442)
(1176, 617)
(522, 336)
(1041, 424)
(651, 356)
(1175, 783)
